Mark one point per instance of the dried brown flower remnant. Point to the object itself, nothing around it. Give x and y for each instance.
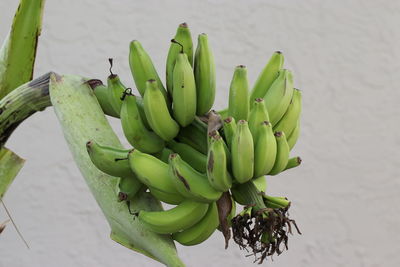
(265, 231)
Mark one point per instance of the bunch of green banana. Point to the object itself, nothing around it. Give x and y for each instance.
(187, 156)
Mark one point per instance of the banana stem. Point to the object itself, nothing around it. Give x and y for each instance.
(249, 195)
(22, 103)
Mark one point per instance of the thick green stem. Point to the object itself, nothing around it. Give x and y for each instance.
(22, 103)
(248, 194)
(82, 119)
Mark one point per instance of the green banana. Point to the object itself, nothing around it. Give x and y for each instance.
(140, 105)
(257, 116)
(189, 182)
(163, 155)
(184, 38)
(202, 230)
(260, 183)
(215, 134)
(184, 91)
(142, 69)
(127, 187)
(168, 198)
(293, 162)
(276, 202)
(109, 160)
(292, 139)
(115, 91)
(151, 171)
(18, 52)
(242, 153)
(179, 218)
(217, 171)
(278, 97)
(265, 150)
(267, 76)
(291, 116)
(195, 158)
(204, 73)
(229, 128)
(282, 154)
(239, 94)
(135, 131)
(101, 93)
(157, 113)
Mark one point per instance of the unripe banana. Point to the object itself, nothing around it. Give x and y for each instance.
(168, 198)
(276, 202)
(217, 171)
(196, 159)
(292, 139)
(282, 154)
(257, 116)
(184, 38)
(265, 150)
(242, 153)
(127, 187)
(277, 98)
(260, 183)
(151, 171)
(143, 69)
(101, 92)
(204, 73)
(115, 90)
(184, 91)
(202, 230)
(140, 105)
(157, 113)
(163, 155)
(293, 162)
(215, 134)
(229, 130)
(267, 76)
(109, 160)
(190, 183)
(239, 94)
(135, 131)
(179, 218)
(292, 114)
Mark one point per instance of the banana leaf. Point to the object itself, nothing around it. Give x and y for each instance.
(17, 55)
(10, 165)
(82, 119)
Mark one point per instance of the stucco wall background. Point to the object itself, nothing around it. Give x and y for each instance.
(345, 57)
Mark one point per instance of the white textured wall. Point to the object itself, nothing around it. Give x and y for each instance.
(346, 58)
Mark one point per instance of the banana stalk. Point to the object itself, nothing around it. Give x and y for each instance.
(22, 103)
(14, 108)
(17, 55)
(82, 119)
